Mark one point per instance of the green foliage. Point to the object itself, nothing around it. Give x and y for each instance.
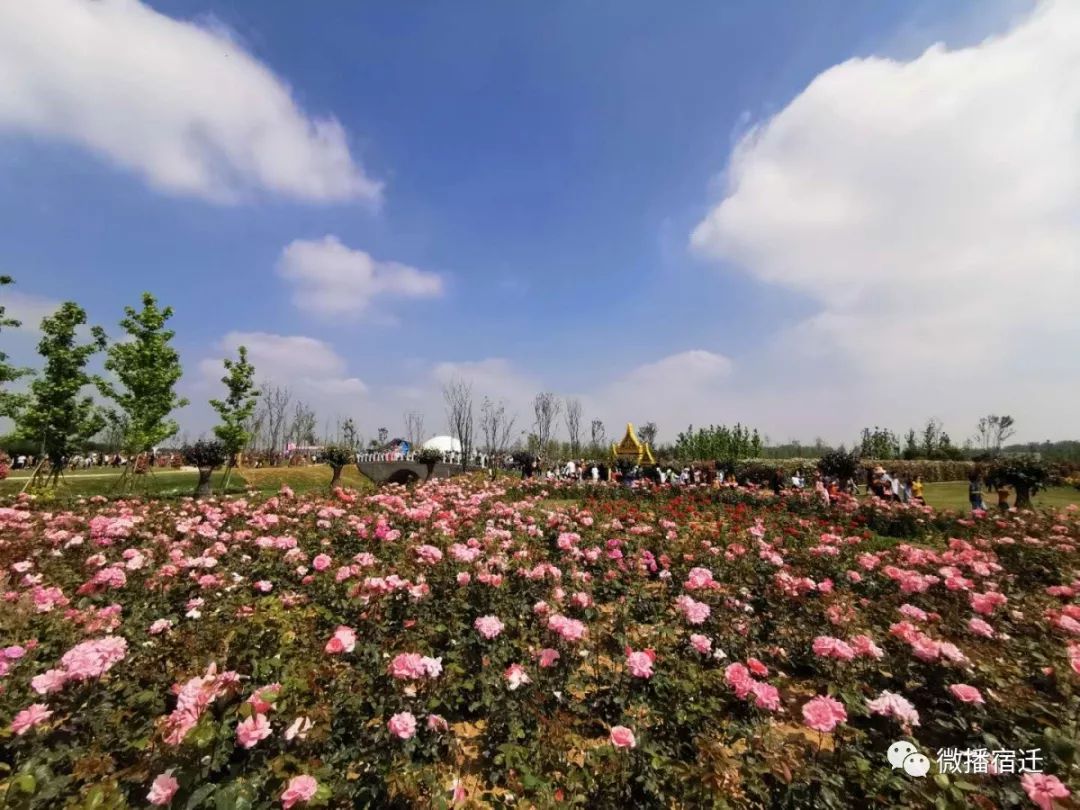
(337, 456)
(9, 402)
(147, 369)
(879, 443)
(839, 464)
(206, 455)
(57, 416)
(237, 408)
(1025, 474)
(429, 456)
(718, 442)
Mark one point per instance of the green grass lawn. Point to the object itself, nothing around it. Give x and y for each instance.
(954, 495)
(103, 481)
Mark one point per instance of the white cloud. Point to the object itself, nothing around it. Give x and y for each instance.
(929, 209)
(309, 367)
(27, 308)
(182, 105)
(331, 278)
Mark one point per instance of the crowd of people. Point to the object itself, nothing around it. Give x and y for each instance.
(894, 487)
(22, 461)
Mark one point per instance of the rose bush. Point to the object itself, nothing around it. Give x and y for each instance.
(462, 642)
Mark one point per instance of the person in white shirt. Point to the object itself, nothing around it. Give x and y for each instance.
(595, 473)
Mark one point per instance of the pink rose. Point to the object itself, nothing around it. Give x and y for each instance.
(343, 641)
(408, 667)
(32, 715)
(622, 737)
(300, 789)
(703, 644)
(548, 657)
(516, 676)
(402, 725)
(48, 682)
(162, 789)
(640, 663)
(250, 731)
(823, 713)
(436, 722)
(965, 693)
(322, 562)
(488, 626)
(1043, 788)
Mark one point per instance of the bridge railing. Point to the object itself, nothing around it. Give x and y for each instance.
(481, 459)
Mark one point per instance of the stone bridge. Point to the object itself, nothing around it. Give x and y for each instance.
(406, 472)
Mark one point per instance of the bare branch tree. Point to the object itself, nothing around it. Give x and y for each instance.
(414, 428)
(304, 424)
(497, 429)
(598, 437)
(647, 433)
(992, 431)
(546, 407)
(573, 424)
(459, 413)
(275, 401)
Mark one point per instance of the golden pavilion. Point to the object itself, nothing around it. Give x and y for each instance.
(632, 449)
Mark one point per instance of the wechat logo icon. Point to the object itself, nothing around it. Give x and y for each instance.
(904, 755)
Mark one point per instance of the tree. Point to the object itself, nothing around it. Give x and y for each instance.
(546, 409)
(302, 429)
(147, 369)
(236, 410)
(57, 415)
(350, 438)
(597, 437)
(992, 431)
(911, 446)
(839, 464)
(1025, 474)
(647, 433)
(207, 456)
(338, 456)
(497, 429)
(573, 424)
(879, 443)
(275, 404)
(414, 428)
(458, 395)
(9, 402)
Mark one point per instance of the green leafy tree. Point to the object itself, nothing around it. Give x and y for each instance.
(839, 464)
(9, 402)
(236, 410)
(57, 415)
(147, 369)
(207, 457)
(1025, 474)
(338, 456)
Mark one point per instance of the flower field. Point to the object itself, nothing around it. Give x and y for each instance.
(465, 644)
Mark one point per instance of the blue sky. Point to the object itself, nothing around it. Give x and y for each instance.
(539, 168)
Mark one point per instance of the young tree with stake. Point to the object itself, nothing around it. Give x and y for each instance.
(146, 368)
(236, 409)
(57, 416)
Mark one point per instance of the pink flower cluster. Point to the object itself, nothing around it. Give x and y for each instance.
(488, 626)
(766, 696)
(568, 629)
(823, 713)
(413, 667)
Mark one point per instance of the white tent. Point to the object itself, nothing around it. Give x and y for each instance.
(444, 444)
